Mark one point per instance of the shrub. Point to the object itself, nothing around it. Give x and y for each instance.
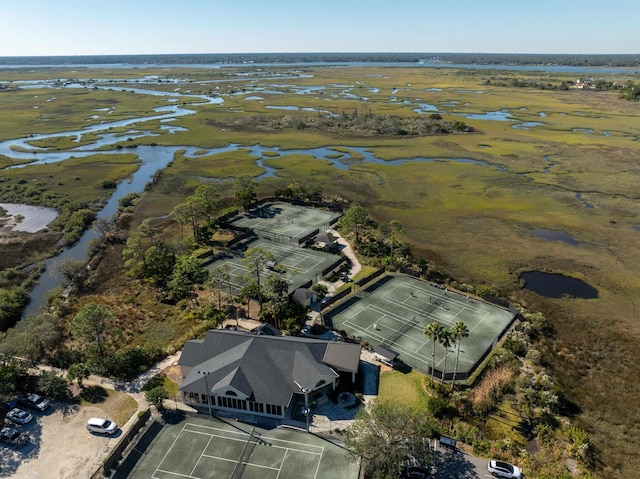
(156, 396)
(517, 347)
(485, 291)
(53, 385)
(438, 406)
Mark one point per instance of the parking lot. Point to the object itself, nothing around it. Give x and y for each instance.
(60, 445)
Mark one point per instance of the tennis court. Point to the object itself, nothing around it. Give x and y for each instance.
(301, 265)
(395, 310)
(211, 448)
(284, 222)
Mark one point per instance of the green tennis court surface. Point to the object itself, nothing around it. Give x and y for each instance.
(210, 448)
(395, 310)
(285, 222)
(301, 265)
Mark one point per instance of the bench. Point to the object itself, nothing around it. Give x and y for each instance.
(448, 442)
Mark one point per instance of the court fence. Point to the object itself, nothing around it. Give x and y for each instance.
(111, 461)
(465, 375)
(336, 208)
(238, 239)
(334, 268)
(333, 299)
(370, 277)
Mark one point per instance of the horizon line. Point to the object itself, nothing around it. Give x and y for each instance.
(317, 53)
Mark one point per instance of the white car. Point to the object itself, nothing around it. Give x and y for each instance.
(101, 426)
(504, 469)
(19, 416)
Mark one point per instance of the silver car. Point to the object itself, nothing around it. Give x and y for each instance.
(35, 401)
(504, 469)
(101, 426)
(19, 416)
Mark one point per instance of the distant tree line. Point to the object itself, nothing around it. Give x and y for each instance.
(588, 60)
(628, 90)
(361, 123)
(528, 83)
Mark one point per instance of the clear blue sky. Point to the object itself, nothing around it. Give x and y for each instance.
(88, 27)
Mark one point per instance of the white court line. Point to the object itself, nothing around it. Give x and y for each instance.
(482, 315)
(174, 474)
(201, 455)
(303, 448)
(454, 298)
(292, 263)
(266, 439)
(420, 357)
(318, 466)
(401, 349)
(283, 459)
(239, 439)
(245, 463)
(170, 447)
(221, 429)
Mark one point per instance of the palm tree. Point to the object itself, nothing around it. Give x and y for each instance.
(445, 340)
(458, 331)
(432, 331)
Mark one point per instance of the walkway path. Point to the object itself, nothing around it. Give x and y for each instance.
(132, 388)
(349, 253)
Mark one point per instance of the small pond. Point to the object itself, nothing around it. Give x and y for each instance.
(425, 107)
(27, 218)
(527, 125)
(552, 235)
(501, 115)
(552, 285)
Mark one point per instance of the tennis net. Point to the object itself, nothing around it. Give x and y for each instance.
(247, 450)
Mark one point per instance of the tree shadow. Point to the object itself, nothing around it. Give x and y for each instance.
(94, 394)
(402, 367)
(68, 408)
(172, 416)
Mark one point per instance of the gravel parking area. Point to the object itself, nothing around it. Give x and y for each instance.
(60, 446)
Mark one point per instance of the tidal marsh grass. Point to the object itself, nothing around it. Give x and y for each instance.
(36, 111)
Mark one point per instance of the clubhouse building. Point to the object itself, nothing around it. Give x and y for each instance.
(261, 378)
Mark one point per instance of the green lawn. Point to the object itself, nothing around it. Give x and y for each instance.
(403, 388)
(116, 405)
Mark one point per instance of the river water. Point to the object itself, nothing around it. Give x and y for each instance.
(420, 64)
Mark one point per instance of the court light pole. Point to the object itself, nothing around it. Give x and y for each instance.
(307, 411)
(206, 382)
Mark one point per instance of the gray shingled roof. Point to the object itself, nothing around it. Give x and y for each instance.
(267, 369)
(385, 352)
(326, 237)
